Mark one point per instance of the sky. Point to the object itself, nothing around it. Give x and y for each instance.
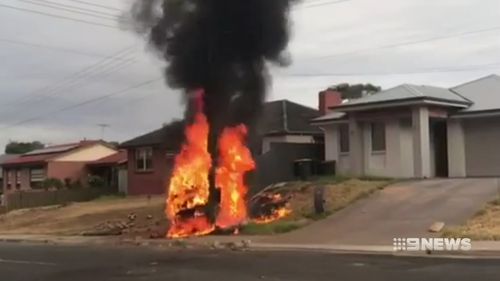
(61, 79)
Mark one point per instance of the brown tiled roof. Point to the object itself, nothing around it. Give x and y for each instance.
(279, 117)
(286, 117)
(170, 135)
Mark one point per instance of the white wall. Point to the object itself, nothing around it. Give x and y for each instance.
(332, 149)
(387, 163)
(331, 142)
(406, 134)
(266, 141)
(396, 161)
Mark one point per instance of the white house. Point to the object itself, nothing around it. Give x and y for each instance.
(414, 131)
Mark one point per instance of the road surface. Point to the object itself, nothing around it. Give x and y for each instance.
(25, 262)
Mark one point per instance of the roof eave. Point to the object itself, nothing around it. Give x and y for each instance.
(11, 165)
(404, 102)
(330, 121)
(133, 145)
(476, 114)
(279, 133)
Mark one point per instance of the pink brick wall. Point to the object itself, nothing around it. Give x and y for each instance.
(68, 170)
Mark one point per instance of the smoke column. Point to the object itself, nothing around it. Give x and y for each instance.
(221, 46)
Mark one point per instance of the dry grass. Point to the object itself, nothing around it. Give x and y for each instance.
(485, 225)
(338, 194)
(74, 218)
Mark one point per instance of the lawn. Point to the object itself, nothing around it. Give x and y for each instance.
(485, 225)
(339, 193)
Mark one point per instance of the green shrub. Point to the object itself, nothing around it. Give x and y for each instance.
(271, 228)
(96, 182)
(52, 183)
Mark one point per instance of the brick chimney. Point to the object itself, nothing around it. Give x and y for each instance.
(329, 98)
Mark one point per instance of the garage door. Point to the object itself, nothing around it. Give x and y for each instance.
(482, 146)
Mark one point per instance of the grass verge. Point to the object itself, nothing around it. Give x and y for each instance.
(339, 192)
(484, 225)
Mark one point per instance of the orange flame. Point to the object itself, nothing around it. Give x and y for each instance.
(189, 185)
(277, 213)
(234, 162)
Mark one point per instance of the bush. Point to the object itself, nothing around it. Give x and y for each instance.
(52, 183)
(96, 182)
(72, 184)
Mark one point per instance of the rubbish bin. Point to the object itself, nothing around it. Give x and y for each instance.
(303, 168)
(328, 168)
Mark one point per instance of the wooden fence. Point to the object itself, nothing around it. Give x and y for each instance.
(31, 199)
(277, 165)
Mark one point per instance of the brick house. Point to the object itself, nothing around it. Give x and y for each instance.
(151, 156)
(150, 159)
(66, 162)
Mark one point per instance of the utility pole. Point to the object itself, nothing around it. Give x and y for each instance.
(103, 127)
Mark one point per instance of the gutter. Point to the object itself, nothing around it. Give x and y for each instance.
(476, 114)
(404, 102)
(285, 116)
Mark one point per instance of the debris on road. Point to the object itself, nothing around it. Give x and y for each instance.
(436, 227)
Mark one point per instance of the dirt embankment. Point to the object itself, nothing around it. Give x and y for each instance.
(138, 216)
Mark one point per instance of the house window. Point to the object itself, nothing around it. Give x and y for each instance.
(378, 136)
(344, 138)
(18, 179)
(37, 176)
(144, 159)
(9, 176)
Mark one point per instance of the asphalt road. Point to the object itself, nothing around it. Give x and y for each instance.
(20, 262)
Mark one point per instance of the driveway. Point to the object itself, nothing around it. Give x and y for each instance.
(405, 209)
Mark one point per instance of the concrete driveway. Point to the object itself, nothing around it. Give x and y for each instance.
(405, 209)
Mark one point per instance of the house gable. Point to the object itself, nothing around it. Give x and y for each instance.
(85, 154)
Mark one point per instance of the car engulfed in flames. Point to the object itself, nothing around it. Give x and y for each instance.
(189, 188)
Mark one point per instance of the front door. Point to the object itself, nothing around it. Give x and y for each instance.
(440, 145)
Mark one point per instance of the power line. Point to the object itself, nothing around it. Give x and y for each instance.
(52, 48)
(448, 69)
(80, 104)
(413, 42)
(102, 72)
(75, 76)
(95, 5)
(75, 11)
(314, 5)
(79, 8)
(67, 86)
(59, 16)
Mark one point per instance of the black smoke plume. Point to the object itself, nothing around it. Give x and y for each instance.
(221, 46)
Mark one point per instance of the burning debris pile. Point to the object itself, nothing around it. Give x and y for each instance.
(218, 49)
